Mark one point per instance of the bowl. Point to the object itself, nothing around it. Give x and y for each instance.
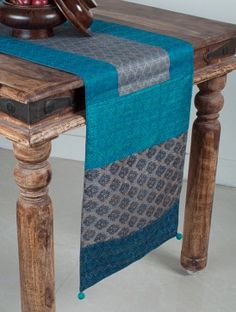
(91, 4)
(31, 22)
(78, 12)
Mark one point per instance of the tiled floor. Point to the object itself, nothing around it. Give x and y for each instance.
(155, 284)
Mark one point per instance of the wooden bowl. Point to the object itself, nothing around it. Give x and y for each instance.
(78, 12)
(91, 4)
(31, 22)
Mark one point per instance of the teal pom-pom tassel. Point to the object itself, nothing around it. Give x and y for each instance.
(179, 236)
(81, 296)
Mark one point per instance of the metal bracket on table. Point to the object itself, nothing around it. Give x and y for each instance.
(228, 49)
(33, 112)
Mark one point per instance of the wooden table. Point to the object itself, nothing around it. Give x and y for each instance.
(37, 104)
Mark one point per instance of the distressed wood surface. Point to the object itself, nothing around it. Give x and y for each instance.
(202, 172)
(51, 127)
(48, 129)
(218, 69)
(201, 32)
(27, 82)
(204, 34)
(35, 228)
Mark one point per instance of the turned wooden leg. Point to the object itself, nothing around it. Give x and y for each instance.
(202, 172)
(35, 228)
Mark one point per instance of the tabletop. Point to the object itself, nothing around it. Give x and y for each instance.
(38, 103)
(205, 35)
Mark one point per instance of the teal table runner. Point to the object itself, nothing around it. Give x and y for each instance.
(138, 87)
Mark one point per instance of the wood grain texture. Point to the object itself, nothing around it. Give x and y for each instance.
(51, 127)
(27, 82)
(202, 172)
(48, 129)
(218, 69)
(35, 228)
(205, 35)
(201, 32)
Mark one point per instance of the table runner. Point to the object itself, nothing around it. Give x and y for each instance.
(138, 87)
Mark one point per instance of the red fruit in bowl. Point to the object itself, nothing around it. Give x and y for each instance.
(23, 2)
(39, 2)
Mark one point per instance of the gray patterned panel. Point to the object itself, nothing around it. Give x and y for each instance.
(138, 65)
(130, 194)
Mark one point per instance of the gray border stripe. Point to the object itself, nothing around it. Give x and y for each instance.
(138, 65)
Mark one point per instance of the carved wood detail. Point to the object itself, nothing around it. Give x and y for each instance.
(35, 228)
(202, 172)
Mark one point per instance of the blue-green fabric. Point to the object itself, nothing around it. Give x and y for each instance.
(101, 83)
(106, 258)
(122, 125)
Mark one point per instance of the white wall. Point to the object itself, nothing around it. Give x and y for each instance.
(71, 145)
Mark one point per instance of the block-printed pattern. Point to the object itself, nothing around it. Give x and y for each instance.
(130, 194)
(138, 65)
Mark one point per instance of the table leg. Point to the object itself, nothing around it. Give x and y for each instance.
(202, 172)
(35, 228)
